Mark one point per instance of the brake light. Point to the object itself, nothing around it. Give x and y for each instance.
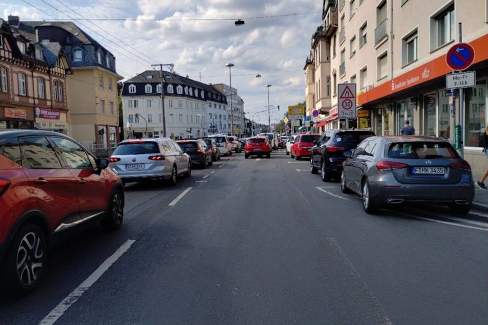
(199, 150)
(136, 141)
(335, 149)
(113, 159)
(183, 142)
(157, 157)
(385, 165)
(4, 184)
(461, 165)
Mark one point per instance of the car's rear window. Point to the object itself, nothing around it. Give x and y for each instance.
(352, 137)
(231, 138)
(136, 148)
(208, 142)
(219, 139)
(422, 150)
(188, 145)
(257, 140)
(309, 138)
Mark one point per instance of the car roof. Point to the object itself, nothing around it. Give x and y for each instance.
(20, 133)
(189, 140)
(410, 138)
(146, 139)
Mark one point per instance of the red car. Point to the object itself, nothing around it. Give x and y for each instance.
(303, 145)
(49, 186)
(258, 146)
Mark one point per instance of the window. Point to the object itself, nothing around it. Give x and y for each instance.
(180, 118)
(382, 66)
(443, 28)
(102, 106)
(39, 55)
(129, 103)
(191, 91)
(112, 111)
(363, 35)
(99, 57)
(77, 55)
(342, 33)
(363, 78)
(334, 39)
(381, 23)
(41, 91)
(22, 84)
(74, 155)
(353, 79)
(210, 115)
(196, 92)
(58, 91)
(38, 153)
(136, 103)
(180, 104)
(342, 67)
(179, 90)
(328, 86)
(100, 81)
(170, 89)
(171, 118)
(353, 46)
(21, 47)
(149, 103)
(410, 48)
(186, 90)
(110, 84)
(1, 42)
(334, 83)
(352, 6)
(4, 79)
(158, 89)
(148, 89)
(132, 89)
(149, 118)
(11, 150)
(107, 61)
(131, 118)
(404, 1)
(170, 103)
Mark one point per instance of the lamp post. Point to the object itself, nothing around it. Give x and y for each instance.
(160, 65)
(252, 121)
(269, 113)
(139, 115)
(230, 65)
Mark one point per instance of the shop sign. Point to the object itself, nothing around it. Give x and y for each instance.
(347, 100)
(363, 113)
(47, 113)
(363, 123)
(15, 113)
(461, 80)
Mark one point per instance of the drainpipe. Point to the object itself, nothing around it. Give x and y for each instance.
(391, 70)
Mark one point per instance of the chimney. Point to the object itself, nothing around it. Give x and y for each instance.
(14, 20)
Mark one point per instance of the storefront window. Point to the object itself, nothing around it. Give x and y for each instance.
(444, 124)
(475, 115)
(404, 112)
(378, 122)
(387, 121)
(430, 102)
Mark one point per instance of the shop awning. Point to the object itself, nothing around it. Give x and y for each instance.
(321, 124)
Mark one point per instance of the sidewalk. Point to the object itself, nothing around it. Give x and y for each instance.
(481, 196)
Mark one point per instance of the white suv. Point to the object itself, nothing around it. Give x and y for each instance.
(224, 144)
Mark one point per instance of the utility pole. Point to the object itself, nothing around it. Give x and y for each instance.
(230, 65)
(269, 113)
(461, 103)
(160, 65)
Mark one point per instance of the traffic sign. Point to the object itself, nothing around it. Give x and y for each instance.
(347, 101)
(460, 56)
(315, 113)
(461, 80)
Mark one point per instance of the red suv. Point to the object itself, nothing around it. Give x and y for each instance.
(258, 146)
(49, 186)
(303, 145)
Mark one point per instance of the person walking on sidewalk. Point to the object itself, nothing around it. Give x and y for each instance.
(484, 143)
(407, 129)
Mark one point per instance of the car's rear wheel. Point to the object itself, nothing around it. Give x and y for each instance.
(323, 173)
(368, 205)
(115, 212)
(287, 153)
(268, 155)
(313, 169)
(174, 176)
(344, 188)
(297, 157)
(25, 263)
(188, 173)
(460, 210)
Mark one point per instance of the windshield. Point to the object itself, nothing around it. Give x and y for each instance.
(137, 148)
(419, 150)
(208, 142)
(219, 139)
(231, 138)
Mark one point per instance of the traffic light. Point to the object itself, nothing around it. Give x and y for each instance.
(191, 130)
(278, 107)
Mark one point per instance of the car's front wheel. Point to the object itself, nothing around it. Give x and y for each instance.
(115, 212)
(174, 176)
(25, 262)
(313, 169)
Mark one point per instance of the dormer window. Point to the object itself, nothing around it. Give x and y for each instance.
(203, 94)
(179, 90)
(170, 89)
(186, 90)
(158, 89)
(39, 55)
(196, 92)
(21, 47)
(99, 57)
(1, 42)
(191, 91)
(148, 89)
(77, 55)
(132, 89)
(107, 61)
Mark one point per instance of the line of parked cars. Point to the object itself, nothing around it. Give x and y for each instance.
(389, 170)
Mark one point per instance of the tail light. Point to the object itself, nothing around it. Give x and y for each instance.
(113, 159)
(136, 141)
(157, 157)
(4, 184)
(199, 150)
(461, 165)
(390, 165)
(335, 149)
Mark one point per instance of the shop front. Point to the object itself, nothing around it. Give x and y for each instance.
(51, 120)
(17, 118)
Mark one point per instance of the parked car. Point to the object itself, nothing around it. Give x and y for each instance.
(150, 159)
(200, 154)
(50, 186)
(273, 140)
(282, 141)
(289, 143)
(257, 146)
(394, 170)
(212, 144)
(303, 145)
(223, 143)
(236, 145)
(331, 149)
(243, 142)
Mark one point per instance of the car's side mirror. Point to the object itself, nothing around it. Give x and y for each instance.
(102, 163)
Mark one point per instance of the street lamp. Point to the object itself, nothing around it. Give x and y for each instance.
(269, 113)
(252, 121)
(230, 65)
(160, 65)
(139, 115)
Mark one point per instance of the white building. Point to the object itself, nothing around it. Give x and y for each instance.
(237, 107)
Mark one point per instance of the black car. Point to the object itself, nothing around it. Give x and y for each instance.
(200, 154)
(212, 144)
(331, 149)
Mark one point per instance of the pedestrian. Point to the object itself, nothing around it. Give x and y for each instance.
(484, 143)
(407, 129)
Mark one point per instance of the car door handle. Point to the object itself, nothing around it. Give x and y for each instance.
(41, 181)
(81, 181)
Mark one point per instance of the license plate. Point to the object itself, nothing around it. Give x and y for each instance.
(428, 170)
(258, 149)
(135, 166)
(309, 149)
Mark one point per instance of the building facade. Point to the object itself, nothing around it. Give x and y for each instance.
(395, 53)
(91, 89)
(237, 109)
(193, 109)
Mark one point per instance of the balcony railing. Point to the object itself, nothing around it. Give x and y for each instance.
(380, 32)
(342, 69)
(342, 35)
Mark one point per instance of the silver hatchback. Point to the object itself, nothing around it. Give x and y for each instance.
(150, 159)
(394, 170)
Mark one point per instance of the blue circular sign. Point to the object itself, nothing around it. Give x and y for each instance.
(460, 56)
(315, 113)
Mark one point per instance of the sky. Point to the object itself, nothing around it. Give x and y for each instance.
(192, 35)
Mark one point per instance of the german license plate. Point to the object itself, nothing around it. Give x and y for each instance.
(135, 166)
(309, 149)
(428, 170)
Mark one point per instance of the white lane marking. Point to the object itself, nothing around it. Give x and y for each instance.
(201, 182)
(206, 176)
(299, 162)
(448, 223)
(221, 166)
(237, 192)
(64, 305)
(258, 159)
(332, 194)
(298, 170)
(481, 204)
(479, 214)
(471, 222)
(212, 172)
(179, 197)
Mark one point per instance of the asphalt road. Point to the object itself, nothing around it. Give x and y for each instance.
(263, 241)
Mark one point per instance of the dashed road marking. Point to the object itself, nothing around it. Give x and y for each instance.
(258, 159)
(221, 166)
(206, 176)
(298, 170)
(179, 197)
(60, 309)
(332, 194)
(479, 214)
(201, 182)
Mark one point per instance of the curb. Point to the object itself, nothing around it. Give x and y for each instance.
(480, 206)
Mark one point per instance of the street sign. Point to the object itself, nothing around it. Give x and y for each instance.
(461, 80)
(285, 120)
(347, 100)
(315, 113)
(460, 56)
(296, 112)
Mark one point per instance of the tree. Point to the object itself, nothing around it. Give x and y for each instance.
(280, 128)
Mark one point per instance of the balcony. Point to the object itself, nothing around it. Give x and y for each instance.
(380, 32)
(331, 22)
(342, 69)
(342, 35)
